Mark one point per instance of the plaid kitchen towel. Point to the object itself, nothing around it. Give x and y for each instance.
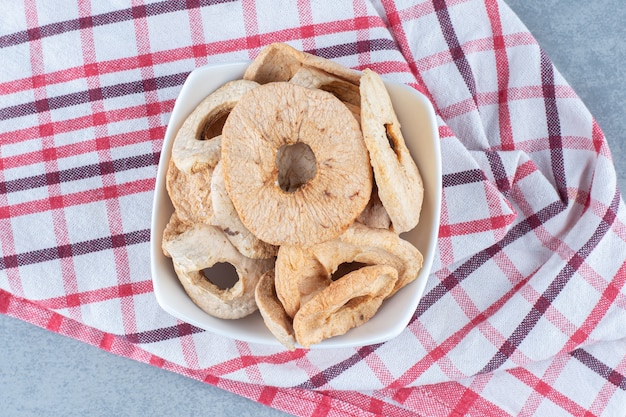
(525, 309)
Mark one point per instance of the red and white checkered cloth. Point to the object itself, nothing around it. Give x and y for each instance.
(525, 311)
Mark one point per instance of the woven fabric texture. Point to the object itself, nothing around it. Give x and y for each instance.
(525, 307)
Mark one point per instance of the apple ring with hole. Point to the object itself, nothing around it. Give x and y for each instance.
(344, 304)
(399, 182)
(198, 142)
(303, 272)
(356, 244)
(200, 247)
(295, 164)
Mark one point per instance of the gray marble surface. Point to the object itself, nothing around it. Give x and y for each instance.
(45, 374)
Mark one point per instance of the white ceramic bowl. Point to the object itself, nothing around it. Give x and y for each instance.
(419, 127)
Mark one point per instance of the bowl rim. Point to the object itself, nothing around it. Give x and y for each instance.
(157, 257)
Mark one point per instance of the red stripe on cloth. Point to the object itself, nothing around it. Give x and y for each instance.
(68, 272)
(54, 324)
(239, 363)
(466, 402)
(99, 295)
(323, 407)
(451, 399)
(439, 351)
(253, 40)
(397, 30)
(197, 33)
(301, 402)
(502, 66)
(250, 365)
(79, 198)
(547, 391)
(524, 170)
(476, 226)
(472, 46)
(389, 67)
(489, 98)
(5, 299)
(604, 304)
(156, 361)
(556, 286)
(359, 8)
(188, 344)
(180, 54)
(307, 27)
(375, 403)
(267, 395)
(422, 9)
(106, 342)
(442, 400)
(85, 122)
(598, 140)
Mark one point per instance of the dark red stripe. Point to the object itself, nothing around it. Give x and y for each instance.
(79, 173)
(499, 172)
(164, 333)
(81, 97)
(480, 258)
(74, 249)
(354, 48)
(605, 371)
(102, 19)
(166, 81)
(456, 51)
(330, 373)
(554, 289)
(555, 140)
(463, 177)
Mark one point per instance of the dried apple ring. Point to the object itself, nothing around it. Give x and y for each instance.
(283, 118)
(190, 194)
(345, 91)
(197, 143)
(274, 316)
(280, 62)
(346, 303)
(302, 272)
(311, 77)
(202, 246)
(398, 179)
(298, 277)
(225, 216)
(359, 242)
